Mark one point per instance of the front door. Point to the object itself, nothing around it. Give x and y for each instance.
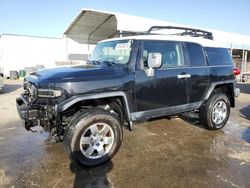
(168, 87)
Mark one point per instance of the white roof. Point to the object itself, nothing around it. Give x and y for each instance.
(91, 26)
(202, 41)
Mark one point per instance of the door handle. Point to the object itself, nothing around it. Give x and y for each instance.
(182, 76)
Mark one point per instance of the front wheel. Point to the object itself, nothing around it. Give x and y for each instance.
(215, 112)
(93, 137)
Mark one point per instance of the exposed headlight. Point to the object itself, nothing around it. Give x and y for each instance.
(49, 93)
(32, 93)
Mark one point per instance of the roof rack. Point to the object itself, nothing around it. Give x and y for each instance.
(187, 31)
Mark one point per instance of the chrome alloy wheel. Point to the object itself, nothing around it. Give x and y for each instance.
(219, 112)
(97, 140)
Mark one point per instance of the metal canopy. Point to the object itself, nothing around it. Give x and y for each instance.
(90, 27)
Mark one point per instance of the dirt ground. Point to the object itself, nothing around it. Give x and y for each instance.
(159, 153)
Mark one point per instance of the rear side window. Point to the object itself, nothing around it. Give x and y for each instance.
(218, 56)
(196, 54)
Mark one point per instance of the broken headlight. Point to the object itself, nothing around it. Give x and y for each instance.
(32, 93)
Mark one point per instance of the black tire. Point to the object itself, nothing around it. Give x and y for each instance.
(206, 116)
(80, 126)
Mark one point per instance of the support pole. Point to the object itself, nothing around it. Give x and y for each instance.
(67, 48)
(245, 59)
(231, 50)
(242, 63)
(88, 51)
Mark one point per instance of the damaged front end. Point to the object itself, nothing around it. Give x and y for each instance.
(35, 114)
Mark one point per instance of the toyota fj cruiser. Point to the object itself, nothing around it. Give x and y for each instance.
(125, 80)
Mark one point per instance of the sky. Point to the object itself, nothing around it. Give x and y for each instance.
(52, 17)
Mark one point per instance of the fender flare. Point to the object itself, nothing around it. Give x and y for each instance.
(214, 84)
(73, 100)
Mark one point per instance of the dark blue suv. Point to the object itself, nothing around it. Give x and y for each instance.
(130, 79)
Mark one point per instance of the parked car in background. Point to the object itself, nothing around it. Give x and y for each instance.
(1, 82)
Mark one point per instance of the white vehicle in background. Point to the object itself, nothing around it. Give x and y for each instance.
(1, 82)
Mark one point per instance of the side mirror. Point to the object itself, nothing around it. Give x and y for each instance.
(154, 61)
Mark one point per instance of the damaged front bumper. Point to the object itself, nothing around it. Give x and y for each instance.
(34, 115)
(27, 114)
(24, 110)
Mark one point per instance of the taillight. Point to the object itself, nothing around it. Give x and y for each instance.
(236, 71)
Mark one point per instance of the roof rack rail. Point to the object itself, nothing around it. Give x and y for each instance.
(187, 31)
(131, 33)
(127, 33)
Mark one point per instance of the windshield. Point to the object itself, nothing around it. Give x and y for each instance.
(115, 52)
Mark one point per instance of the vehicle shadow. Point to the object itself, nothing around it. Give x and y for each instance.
(246, 135)
(8, 88)
(245, 112)
(244, 87)
(192, 119)
(92, 177)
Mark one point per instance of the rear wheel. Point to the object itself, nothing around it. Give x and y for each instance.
(93, 137)
(215, 112)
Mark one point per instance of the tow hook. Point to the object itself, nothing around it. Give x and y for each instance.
(28, 125)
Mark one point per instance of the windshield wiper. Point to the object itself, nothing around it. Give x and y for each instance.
(94, 62)
(110, 63)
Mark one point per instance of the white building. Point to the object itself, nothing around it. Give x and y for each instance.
(89, 27)
(18, 52)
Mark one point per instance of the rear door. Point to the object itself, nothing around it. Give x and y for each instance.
(199, 71)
